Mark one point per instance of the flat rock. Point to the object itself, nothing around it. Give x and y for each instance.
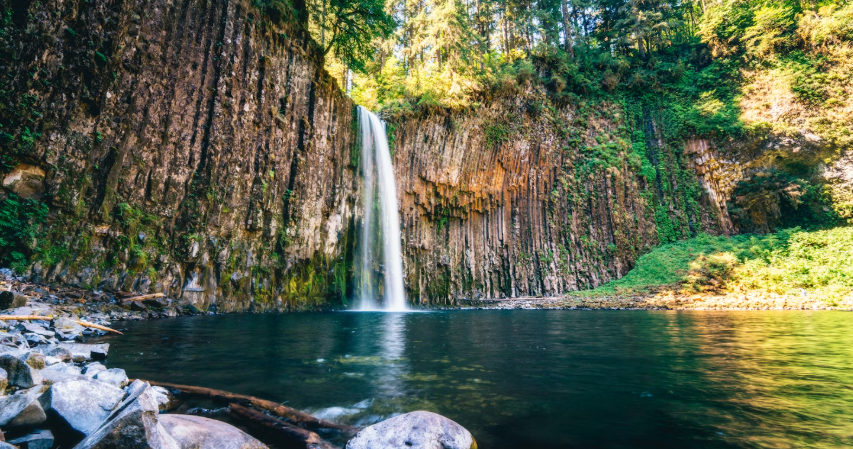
(93, 368)
(132, 425)
(82, 352)
(40, 439)
(22, 408)
(19, 373)
(197, 432)
(418, 430)
(82, 403)
(36, 329)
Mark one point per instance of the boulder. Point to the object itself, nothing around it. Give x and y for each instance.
(22, 408)
(12, 300)
(62, 354)
(417, 430)
(82, 352)
(61, 371)
(132, 425)
(93, 368)
(39, 439)
(34, 359)
(113, 376)
(82, 403)
(67, 329)
(196, 432)
(19, 373)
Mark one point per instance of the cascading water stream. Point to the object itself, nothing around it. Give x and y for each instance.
(377, 162)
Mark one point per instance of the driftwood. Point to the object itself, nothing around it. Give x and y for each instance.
(264, 422)
(97, 326)
(143, 297)
(301, 418)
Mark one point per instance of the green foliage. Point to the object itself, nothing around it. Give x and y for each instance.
(820, 262)
(19, 230)
(347, 28)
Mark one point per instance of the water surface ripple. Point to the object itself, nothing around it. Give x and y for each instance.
(523, 379)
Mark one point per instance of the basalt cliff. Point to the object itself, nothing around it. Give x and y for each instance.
(199, 149)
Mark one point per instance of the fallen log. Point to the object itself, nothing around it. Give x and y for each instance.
(300, 418)
(97, 326)
(24, 317)
(143, 297)
(264, 422)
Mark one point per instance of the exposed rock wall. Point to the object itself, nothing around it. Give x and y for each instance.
(194, 147)
(511, 200)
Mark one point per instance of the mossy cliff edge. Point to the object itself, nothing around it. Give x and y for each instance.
(199, 149)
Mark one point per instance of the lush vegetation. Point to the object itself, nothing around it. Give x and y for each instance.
(791, 261)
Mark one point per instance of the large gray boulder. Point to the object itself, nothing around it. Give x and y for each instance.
(59, 372)
(417, 430)
(82, 403)
(19, 373)
(197, 432)
(22, 408)
(113, 376)
(132, 425)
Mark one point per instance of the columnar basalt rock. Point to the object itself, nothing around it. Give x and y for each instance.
(511, 201)
(195, 148)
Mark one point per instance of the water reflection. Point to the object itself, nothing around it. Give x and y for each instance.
(545, 379)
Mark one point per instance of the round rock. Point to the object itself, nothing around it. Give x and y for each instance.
(416, 430)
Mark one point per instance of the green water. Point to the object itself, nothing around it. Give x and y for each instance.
(524, 379)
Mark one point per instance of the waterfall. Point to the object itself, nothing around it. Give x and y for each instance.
(379, 181)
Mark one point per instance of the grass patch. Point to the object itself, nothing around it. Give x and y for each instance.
(788, 262)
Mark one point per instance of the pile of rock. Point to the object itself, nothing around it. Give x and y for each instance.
(55, 392)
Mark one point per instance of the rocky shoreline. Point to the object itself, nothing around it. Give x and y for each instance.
(55, 392)
(666, 299)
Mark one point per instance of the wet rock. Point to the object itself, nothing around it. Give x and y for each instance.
(12, 300)
(418, 430)
(163, 397)
(19, 373)
(113, 376)
(40, 439)
(22, 408)
(196, 432)
(82, 352)
(132, 425)
(82, 403)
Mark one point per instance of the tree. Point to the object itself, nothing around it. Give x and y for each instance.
(352, 27)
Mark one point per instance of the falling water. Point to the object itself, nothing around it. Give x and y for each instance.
(377, 162)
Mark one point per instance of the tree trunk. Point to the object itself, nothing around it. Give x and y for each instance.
(567, 29)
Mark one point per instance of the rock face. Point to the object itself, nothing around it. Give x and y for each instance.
(507, 201)
(192, 148)
(196, 432)
(417, 430)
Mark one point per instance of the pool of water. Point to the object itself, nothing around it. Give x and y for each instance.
(524, 379)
